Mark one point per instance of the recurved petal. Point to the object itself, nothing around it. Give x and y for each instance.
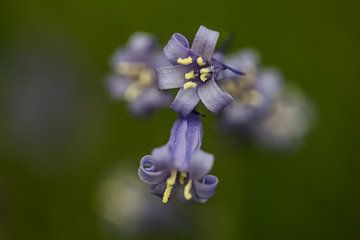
(149, 173)
(201, 164)
(177, 47)
(213, 97)
(185, 101)
(205, 42)
(205, 188)
(172, 76)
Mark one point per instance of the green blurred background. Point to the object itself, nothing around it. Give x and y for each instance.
(60, 132)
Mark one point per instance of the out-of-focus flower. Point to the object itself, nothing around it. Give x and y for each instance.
(253, 93)
(287, 123)
(125, 205)
(134, 78)
(195, 72)
(180, 167)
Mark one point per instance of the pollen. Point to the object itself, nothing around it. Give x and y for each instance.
(187, 189)
(190, 75)
(205, 70)
(200, 61)
(182, 178)
(170, 182)
(203, 77)
(189, 85)
(184, 61)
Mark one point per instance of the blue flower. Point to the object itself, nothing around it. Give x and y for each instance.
(286, 125)
(180, 167)
(134, 79)
(195, 71)
(253, 93)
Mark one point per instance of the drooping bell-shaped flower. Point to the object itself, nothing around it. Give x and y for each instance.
(180, 167)
(195, 71)
(134, 78)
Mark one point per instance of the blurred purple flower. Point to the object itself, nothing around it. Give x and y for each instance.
(287, 123)
(195, 71)
(253, 93)
(134, 78)
(180, 167)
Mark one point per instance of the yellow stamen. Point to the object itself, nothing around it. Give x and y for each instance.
(187, 189)
(205, 70)
(190, 75)
(203, 77)
(255, 98)
(170, 182)
(146, 77)
(200, 61)
(184, 61)
(182, 178)
(189, 85)
(132, 92)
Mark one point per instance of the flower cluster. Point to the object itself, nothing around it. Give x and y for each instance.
(247, 97)
(264, 108)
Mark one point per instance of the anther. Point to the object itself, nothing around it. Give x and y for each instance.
(182, 178)
(203, 77)
(189, 85)
(187, 189)
(170, 182)
(190, 75)
(184, 61)
(205, 70)
(200, 61)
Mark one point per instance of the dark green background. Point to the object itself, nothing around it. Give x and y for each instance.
(53, 57)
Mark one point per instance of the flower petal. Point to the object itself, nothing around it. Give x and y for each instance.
(269, 83)
(172, 76)
(162, 157)
(117, 85)
(201, 164)
(141, 43)
(177, 47)
(185, 101)
(205, 42)
(205, 188)
(148, 171)
(148, 101)
(159, 189)
(213, 97)
(185, 140)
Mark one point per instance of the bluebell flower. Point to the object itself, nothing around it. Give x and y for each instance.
(253, 93)
(195, 72)
(289, 120)
(134, 78)
(180, 167)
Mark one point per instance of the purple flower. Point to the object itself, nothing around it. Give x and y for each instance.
(195, 72)
(134, 79)
(285, 126)
(180, 167)
(253, 94)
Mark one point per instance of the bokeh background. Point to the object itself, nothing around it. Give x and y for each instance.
(61, 134)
